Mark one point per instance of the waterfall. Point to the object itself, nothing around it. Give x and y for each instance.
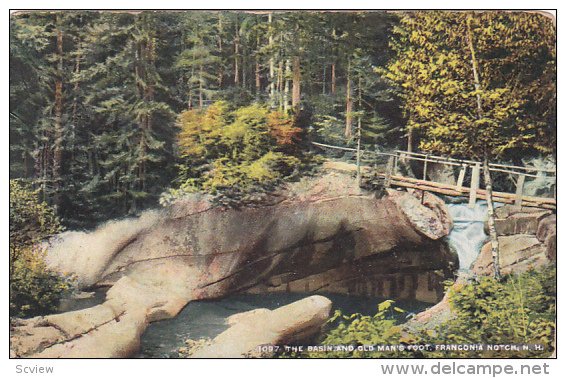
(468, 236)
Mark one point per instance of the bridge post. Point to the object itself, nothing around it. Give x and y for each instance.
(475, 185)
(425, 166)
(461, 177)
(389, 171)
(519, 191)
(396, 163)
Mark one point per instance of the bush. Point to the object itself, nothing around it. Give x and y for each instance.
(358, 330)
(521, 309)
(236, 155)
(34, 289)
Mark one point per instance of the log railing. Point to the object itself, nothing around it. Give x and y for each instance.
(392, 176)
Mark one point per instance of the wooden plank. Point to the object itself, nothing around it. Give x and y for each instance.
(519, 191)
(480, 194)
(428, 183)
(465, 190)
(448, 189)
(475, 185)
(426, 188)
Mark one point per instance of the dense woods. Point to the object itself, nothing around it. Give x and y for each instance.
(102, 103)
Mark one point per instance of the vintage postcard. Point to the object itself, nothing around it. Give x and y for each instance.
(283, 184)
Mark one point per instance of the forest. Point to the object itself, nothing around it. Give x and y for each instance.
(106, 107)
(116, 112)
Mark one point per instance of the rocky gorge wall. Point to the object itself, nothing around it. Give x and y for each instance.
(527, 239)
(319, 235)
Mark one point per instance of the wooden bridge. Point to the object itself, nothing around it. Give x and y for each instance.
(392, 175)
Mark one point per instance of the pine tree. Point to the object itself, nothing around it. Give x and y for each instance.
(132, 139)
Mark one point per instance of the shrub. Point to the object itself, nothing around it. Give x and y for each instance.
(358, 330)
(521, 309)
(236, 155)
(34, 289)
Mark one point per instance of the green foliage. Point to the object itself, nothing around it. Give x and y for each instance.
(34, 289)
(358, 330)
(520, 309)
(92, 119)
(235, 155)
(453, 112)
(30, 220)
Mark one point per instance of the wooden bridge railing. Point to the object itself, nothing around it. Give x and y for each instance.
(392, 176)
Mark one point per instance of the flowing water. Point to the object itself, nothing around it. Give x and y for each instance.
(467, 236)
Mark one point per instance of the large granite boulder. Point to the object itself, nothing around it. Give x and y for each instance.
(546, 233)
(517, 253)
(510, 220)
(294, 323)
(527, 239)
(192, 250)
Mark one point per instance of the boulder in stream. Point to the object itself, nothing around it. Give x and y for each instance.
(294, 323)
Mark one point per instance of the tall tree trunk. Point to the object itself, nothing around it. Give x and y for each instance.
(149, 97)
(296, 100)
(76, 87)
(58, 141)
(333, 84)
(487, 176)
(286, 90)
(236, 54)
(244, 68)
(280, 84)
(475, 69)
(190, 101)
(324, 79)
(220, 68)
(491, 219)
(359, 146)
(349, 103)
(200, 88)
(271, 63)
(257, 77)
(257, 68)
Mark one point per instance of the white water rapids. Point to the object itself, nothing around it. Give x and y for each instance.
(468, 236)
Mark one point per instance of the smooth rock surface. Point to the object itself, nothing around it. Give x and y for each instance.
(159, 262)
(517, 253)
(293, 323)
(510, 220)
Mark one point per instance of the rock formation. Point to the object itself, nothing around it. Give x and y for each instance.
(294, 323)
(527, 239)
(321, 234)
